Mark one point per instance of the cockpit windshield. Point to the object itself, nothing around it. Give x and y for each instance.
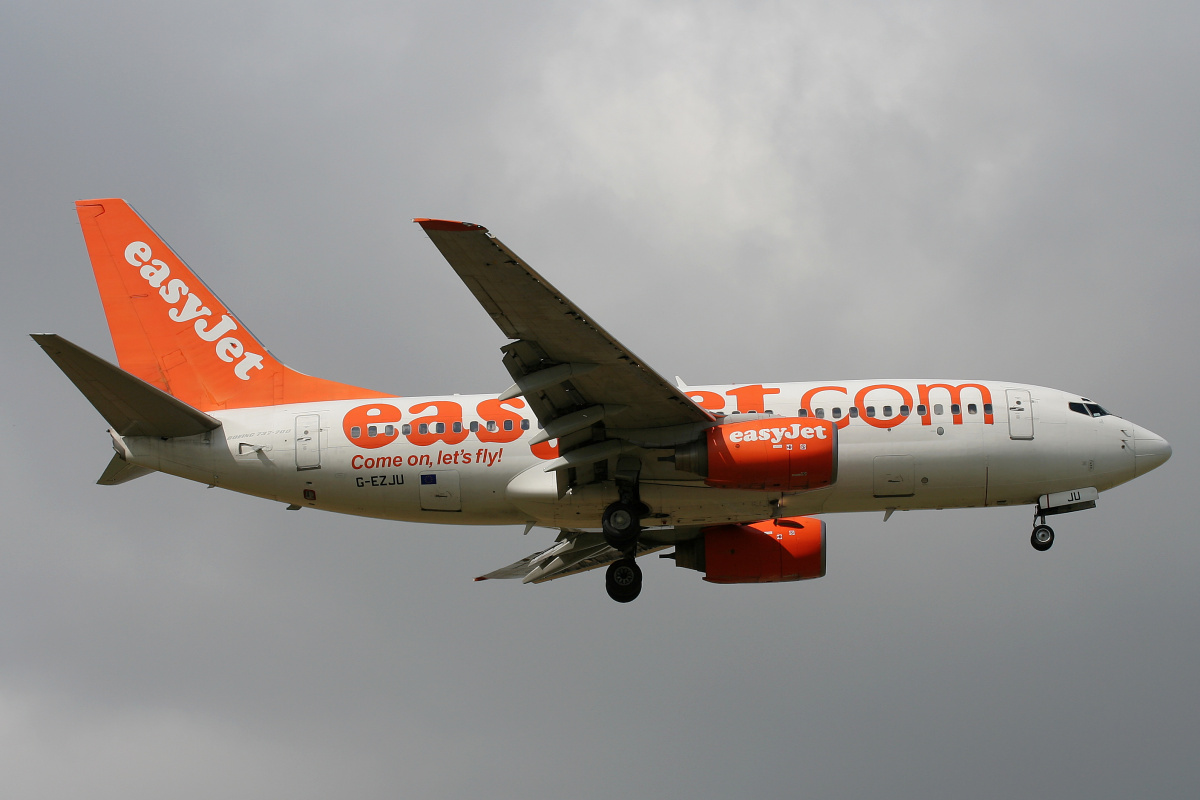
(1088, 409)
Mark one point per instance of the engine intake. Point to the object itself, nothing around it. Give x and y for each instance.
(776, 454)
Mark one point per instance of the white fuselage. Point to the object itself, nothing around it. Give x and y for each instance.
(902, 444)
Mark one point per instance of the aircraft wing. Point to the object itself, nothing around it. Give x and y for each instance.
(573, 552)
(570, 370)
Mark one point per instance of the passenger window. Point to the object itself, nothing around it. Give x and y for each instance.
(820, 413)
(389, 430)
(457, 427)
(987, 408)
(406, 429)
(423, 428)
(524, 424)
(887, 411)
(508, 426)
(854, 412)
(491, 425)
(922, 410)
(905, 411)
(972, 408)
(870, 411)
(955, 409)
(372, 431)
(355, 432)
(802, 412)
(937, 409)
(837, 413)
(439, 427)
(474, 425)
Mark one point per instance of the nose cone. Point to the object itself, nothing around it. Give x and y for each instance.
(1150, 451)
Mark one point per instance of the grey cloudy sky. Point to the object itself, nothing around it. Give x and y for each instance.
(758, 191)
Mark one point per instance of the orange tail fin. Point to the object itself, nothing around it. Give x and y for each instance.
(171, 331)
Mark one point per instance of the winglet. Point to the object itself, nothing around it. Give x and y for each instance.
(448, 225)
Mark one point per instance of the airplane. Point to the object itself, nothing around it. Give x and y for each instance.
(588, 440)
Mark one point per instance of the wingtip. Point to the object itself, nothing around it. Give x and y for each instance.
(481, 578)
(448, 225)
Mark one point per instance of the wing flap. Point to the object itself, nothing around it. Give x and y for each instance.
(574, 552)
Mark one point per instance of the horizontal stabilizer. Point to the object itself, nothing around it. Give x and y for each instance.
(131, 406)
(121, 471)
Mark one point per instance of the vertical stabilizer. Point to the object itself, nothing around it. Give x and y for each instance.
(171, 331)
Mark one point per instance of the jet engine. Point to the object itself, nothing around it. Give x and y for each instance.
(771, 551)
(774, 454)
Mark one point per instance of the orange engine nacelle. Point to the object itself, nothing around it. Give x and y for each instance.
(772, 551)
(774, 454)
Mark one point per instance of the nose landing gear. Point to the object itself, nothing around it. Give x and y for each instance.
(1042, 537)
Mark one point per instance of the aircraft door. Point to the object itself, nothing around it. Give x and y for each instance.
(439, 491)
(308, 441)
(1020, 414)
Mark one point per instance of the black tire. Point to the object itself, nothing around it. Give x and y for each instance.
(621, 527)
(623, 580)
(1042, 538)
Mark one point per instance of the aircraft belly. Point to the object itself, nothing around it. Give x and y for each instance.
(909, 468)
(1020, 470)
(387, 487)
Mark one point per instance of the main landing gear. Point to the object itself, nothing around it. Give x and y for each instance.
(623, 580)
(1042, 537)
(622, 525)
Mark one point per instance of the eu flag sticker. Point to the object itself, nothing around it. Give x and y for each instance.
(430, 478)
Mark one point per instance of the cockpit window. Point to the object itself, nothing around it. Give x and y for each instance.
(1088, 409)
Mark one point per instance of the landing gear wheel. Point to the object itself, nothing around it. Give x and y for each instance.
(621, 528)
(1042, 538)
(623, 580)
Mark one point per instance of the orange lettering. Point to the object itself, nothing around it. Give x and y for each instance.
(494, 411)
(545, 450)
(447, 414)
(359, 423)
(985, 397)
(806, 402)
(751, 398)
(877, 422)
(710, 401)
